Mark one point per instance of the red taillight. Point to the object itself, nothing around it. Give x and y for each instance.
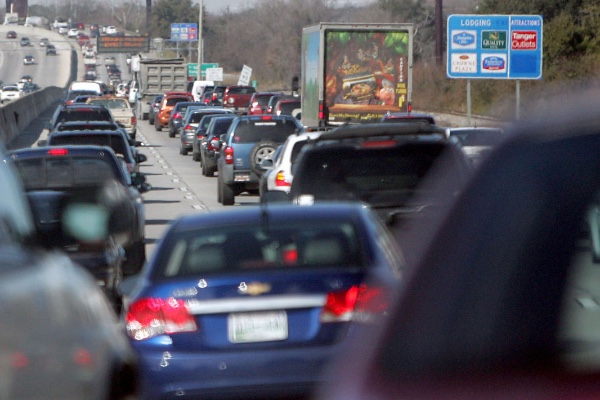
(83, 357)
(176, 115)
(149, 317)
(321, 111)
(188, 127)
(409, 107)
(214, 96)
(58, 152)
(356, 303)
(229, 155)
(266, 118)
(133, 120)
(19, 360)
(280, 180)
(380, 143)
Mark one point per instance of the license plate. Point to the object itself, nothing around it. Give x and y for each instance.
(257, 327)
(242, 177)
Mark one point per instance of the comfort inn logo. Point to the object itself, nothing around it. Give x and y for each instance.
(493, 40)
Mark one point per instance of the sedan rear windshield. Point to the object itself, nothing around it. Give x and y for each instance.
(309, 244)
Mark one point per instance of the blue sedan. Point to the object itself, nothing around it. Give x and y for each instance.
(255, 301)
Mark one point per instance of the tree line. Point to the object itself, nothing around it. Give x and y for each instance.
(267, 37)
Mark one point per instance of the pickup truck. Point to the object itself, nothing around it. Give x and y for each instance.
(121, 111)
(237, 98)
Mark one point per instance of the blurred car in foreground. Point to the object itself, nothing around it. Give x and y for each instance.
(502, 301)
(59, 337)
(251, 303)
(54, 176)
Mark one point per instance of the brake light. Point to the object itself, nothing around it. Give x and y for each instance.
(133, 120)
(356, 303)
(83, 357)
(409, 107)
(151, 317)
(229, 155)
(214, 96)
(266, 118)
(188, 127)
(176, 115)
(379, 143)
(58, 152)
(321, 111)
(280, 180)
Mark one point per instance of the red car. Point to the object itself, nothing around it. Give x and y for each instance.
(11, 35)
(83, 39)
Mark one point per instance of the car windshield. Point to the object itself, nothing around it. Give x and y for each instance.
(117, 143)
(380, 177)
(252, 131)
(111, 104)
(310, 244)
(63, 172)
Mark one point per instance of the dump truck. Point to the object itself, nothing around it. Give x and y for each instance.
(355, 73)
(156, 76)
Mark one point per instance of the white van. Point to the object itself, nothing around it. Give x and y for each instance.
(198, 88)
(87, 86)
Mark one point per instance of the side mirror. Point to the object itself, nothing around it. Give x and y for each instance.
(42, 143)
(137, 143)
(138, 181)
(140, 158)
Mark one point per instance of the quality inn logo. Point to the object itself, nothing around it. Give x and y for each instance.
(493, 40)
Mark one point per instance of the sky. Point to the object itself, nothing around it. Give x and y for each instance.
(219, 6)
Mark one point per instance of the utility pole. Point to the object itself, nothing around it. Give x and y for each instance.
(199, 77)
(438, 31)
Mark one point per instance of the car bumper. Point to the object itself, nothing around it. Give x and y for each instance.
(169, 374)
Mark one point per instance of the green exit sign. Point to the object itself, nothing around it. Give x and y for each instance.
(193, 68)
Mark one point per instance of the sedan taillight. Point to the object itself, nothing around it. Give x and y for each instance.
(151, 317)
(356, 303)
(280, 180)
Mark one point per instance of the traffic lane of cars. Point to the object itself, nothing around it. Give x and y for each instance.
(47, 70)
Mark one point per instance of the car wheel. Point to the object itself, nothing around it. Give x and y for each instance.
(227, 195)
(210, 172)
(151, 121)
(203, 169)
(183, 151)
(219, 189)
(135, 257)
(157, 126)
(262, 150)
(195, 156)
(171, 133)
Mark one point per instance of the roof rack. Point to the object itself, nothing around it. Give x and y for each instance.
(377, 129)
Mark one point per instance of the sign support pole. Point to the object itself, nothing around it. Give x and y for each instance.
(518, 100)
(468, 102)
(199, 77)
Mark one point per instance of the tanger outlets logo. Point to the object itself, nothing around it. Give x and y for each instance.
(464, 39)
(493, 40)
(524, 40)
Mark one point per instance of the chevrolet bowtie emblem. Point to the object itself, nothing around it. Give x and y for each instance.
(254, 288)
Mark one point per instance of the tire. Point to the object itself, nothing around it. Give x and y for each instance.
(135, 257)
(203, 169)
(226, 194)
(219, 190)
(262, 150)
(157, 126)
(151, 121)
(171, 133)
(183, 151)
(210, 172)
(195, 156)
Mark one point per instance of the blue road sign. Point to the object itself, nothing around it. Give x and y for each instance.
(185, 32)
(494, 46)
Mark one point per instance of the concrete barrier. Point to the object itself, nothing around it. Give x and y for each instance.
(16, 115)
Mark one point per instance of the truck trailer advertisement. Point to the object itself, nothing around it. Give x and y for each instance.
(355, 73)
